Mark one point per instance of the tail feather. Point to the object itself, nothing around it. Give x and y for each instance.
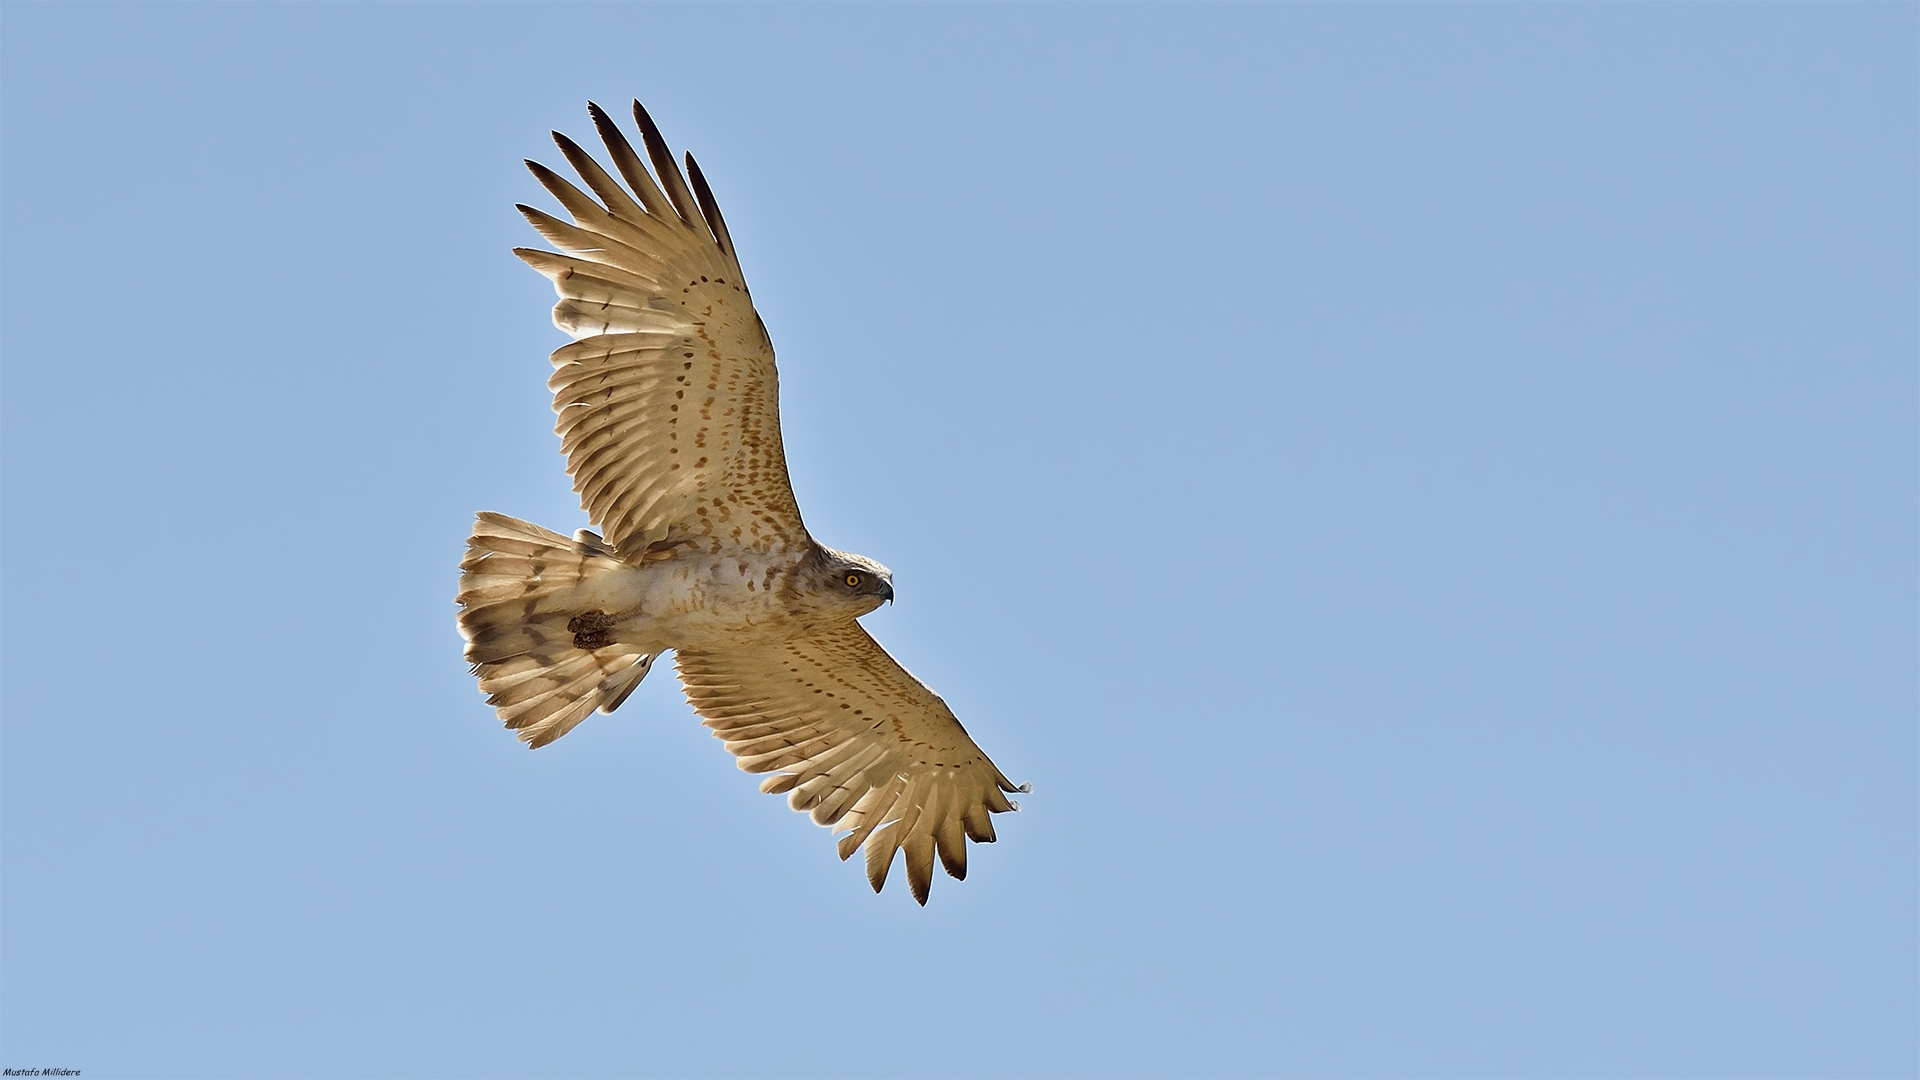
(515, 584)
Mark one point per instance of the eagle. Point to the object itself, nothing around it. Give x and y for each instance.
(669, 418)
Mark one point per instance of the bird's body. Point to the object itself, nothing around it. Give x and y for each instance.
(669, 416)
(699, 599)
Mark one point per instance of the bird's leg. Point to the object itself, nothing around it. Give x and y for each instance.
(592, 629)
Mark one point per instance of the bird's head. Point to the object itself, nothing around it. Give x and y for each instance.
(853, 583)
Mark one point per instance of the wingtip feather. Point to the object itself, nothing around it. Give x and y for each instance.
(662, 157)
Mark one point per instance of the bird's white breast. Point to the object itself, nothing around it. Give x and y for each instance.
(700, 600)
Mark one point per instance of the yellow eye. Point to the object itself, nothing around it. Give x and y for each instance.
(853, 581)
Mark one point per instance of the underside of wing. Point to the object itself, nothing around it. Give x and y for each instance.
(856, 742)
(668, 403)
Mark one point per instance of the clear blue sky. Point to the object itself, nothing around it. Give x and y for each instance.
(1426, 495)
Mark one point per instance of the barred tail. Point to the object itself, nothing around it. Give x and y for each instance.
(537, 672)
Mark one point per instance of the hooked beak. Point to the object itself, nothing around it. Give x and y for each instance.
(887, 592)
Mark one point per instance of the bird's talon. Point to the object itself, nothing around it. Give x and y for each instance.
(591, 630)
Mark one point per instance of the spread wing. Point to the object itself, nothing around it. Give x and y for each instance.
(669, 405)
(863, 746)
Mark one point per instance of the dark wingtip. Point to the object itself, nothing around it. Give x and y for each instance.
(641, 117)
(709, 208)
(672, 185)
(956, 868)
(602, 123)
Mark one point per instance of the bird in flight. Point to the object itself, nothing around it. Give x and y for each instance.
(669, 417)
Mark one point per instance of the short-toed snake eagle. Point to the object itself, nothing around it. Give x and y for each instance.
(670, 422)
